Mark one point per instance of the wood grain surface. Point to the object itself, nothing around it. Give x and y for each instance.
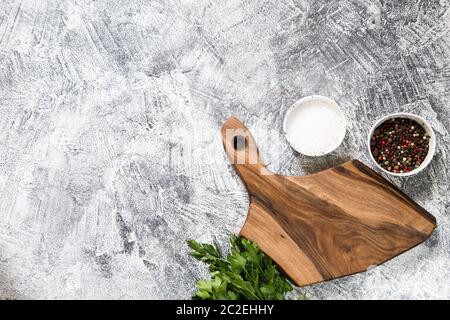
(325, 225)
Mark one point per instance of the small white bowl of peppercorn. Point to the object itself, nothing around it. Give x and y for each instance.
(401, 144)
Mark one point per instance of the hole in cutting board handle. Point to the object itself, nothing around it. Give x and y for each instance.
(239, 142)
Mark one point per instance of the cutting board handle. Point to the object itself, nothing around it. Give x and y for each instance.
(242, 150)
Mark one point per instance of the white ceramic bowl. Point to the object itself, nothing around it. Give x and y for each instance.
(314, 125)
(428, 130)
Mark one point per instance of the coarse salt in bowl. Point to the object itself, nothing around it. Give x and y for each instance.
(314, 125)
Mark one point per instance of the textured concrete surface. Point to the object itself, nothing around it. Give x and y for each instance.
(110, 155)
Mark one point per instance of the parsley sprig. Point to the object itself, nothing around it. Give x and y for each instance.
(245, 274)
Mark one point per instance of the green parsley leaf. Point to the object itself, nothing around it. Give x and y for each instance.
(245, 274)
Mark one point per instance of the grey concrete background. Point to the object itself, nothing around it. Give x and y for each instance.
(110, 155)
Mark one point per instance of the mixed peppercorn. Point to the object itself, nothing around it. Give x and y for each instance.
(399, 145)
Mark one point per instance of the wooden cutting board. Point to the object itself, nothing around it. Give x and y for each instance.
(328, 224)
